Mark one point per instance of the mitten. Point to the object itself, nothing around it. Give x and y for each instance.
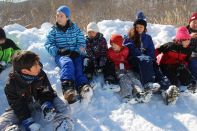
(48, 111)
(63, 52)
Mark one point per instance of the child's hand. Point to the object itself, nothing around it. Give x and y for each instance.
(193, 35)
(48, 111)
(82, 49)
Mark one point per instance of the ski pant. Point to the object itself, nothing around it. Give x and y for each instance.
(71, 69)
(127, 81)
(177, 74)
(63, 111)
(108, 70)
(193, 67)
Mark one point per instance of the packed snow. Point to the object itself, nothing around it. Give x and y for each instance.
(107, 112)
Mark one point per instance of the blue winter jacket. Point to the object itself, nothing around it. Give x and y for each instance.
(72, 38)
(146, 43)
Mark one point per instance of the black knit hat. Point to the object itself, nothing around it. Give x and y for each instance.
(140, 22)
(2, 33)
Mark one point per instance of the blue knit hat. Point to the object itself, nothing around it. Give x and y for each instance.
(64, 9)
(140, 15)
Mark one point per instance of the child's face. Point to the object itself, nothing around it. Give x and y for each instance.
(193, 24)
(2, 41)
(115, 47)
(185, 43)
(34, 70)
(92, 34)
(61, 19)
(139, 28)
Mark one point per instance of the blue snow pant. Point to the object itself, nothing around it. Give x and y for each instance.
(71, 69)
(193, 67)
(149, 71)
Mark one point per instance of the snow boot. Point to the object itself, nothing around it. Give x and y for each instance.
(111, 84)
(171, 95)
(141, 96)
(86, 93)
(69, 92)
(192, 87)
(66, 125)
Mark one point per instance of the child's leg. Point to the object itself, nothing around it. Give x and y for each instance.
(110, 73)
(66, 66)
(193, 67)
(8, 119)
(80, 78)
(171, 73)
(63, 112)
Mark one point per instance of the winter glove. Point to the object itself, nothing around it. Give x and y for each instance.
(30, 125)
(48, 111)
(63, 52)
(67, 52)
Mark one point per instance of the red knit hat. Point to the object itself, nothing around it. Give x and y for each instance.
(182, 34)
(193, 17)
(117, 39)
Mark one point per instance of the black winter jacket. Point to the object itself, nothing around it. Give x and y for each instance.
(20, 94)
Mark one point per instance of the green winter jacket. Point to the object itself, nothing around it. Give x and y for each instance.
(7, 49)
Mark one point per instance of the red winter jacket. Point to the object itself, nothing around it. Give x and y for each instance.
(119, 57)
(171, 53)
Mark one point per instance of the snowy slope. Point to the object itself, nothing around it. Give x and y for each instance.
(106, 112)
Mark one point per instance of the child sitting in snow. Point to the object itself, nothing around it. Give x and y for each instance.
(142, 57)
(174, 57)
(29, 91)
(67, 43)
(192, 27)
(7, 49)
(96, 48)
(130, 87)
(96, 59)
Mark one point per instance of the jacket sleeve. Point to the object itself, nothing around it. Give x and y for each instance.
(43, 91)
(81, 43)
(193, 44)
(50, 43)
(17, 103)
(150, 51)
(164, 48)
(89, 51)
(103, 47)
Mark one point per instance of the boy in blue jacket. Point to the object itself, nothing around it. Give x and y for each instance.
(28, 92)
(67, 44)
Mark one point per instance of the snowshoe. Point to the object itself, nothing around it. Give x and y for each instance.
(171, 95)
(66, 125)
(13, 128)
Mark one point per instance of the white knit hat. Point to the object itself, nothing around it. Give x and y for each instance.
(92, 26)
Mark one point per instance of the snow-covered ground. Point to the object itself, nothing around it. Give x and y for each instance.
(106, 112)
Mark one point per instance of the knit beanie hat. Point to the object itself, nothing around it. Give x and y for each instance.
(182, 34)
(64, 9)
(92, 26)
(117, 39)
(140, 15)
(193, 17)
(140, 19)
(2, 34)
